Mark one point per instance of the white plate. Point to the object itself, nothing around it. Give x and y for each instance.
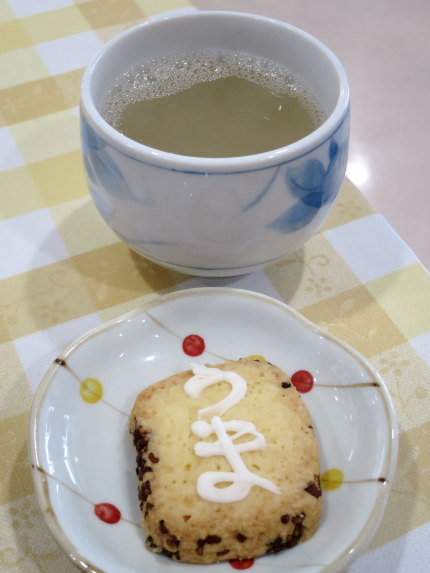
(82, 454)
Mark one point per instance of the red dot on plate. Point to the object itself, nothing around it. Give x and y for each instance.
(107, 512)
(241, 563)
(303, 380)
(193, 345)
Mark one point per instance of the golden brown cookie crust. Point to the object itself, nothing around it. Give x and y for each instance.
(182, 525)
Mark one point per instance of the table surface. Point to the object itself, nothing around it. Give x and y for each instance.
(390, 119)
(62, 272)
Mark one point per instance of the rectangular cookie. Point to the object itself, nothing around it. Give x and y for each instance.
(227, 463)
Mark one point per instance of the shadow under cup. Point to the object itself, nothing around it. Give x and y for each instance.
(216, 216)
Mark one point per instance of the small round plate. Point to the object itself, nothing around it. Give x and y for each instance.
(83, 459)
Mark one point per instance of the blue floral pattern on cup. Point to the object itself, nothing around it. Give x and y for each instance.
(100, 166)
(160, 211)
(216, 216)
(314, 186)
(103, 172)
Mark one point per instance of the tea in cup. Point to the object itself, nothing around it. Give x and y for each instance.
(215, 143)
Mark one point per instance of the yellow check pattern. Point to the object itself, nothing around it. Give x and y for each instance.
(62, 271)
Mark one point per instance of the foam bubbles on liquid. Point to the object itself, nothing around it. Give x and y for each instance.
(167, 75)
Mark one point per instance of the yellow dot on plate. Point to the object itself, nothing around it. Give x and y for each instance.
(257, 357)
(331, 479)
(91, 390)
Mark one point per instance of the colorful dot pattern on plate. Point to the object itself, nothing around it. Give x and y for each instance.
(107, 512)
(256, 357)
(331, 479)
(91, 392)
(193, 345)
(241, 564)
(303, 381)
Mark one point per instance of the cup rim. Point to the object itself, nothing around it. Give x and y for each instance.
(186, 163)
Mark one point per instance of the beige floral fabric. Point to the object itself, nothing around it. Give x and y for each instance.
(62, 271)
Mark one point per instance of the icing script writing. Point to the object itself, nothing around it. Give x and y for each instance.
(240, 479)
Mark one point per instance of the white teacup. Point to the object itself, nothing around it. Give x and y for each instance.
(216, 216)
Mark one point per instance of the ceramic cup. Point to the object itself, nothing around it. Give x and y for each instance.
(216, 216)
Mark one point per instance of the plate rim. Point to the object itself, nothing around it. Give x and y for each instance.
(41, 479)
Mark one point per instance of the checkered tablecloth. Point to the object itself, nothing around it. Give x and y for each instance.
(62, 271)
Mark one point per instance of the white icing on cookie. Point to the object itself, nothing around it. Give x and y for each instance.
(241, 479)
(204, 377)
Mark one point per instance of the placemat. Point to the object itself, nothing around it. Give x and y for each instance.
(62, 271)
